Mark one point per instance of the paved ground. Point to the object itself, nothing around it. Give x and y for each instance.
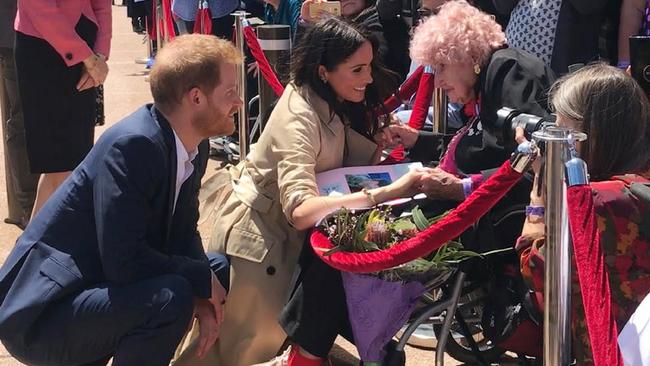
(126, 90)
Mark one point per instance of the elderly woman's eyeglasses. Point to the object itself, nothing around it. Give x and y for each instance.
(426, 12)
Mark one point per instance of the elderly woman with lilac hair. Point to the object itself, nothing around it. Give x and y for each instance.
(475, 66)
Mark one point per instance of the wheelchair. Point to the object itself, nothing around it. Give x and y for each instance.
(455, 310)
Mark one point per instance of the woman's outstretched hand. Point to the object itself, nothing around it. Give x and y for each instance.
(407, 185)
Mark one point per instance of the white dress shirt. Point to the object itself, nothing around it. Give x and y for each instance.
(184, 166)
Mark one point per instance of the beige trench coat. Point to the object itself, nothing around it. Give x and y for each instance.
(252, 220)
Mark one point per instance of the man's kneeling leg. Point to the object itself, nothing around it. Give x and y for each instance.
(138, 324)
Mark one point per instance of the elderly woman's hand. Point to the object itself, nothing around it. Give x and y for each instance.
(404, 134)
(438, 184)
(385, 139)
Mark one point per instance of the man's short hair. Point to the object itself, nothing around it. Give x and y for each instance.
(187, 62)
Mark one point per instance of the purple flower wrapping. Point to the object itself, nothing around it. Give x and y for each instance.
(377, 310)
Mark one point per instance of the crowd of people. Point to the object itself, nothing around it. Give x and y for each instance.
(111, 264)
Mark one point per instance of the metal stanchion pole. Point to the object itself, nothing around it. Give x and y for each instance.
(275, 41)
(439, 102)
(240, 17)
(557, 270)
(165, 26)
(159, 20)
(439, 111)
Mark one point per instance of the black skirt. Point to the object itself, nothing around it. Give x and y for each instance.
(317, 311)
(59, 120)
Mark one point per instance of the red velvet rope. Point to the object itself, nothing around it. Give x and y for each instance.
(422, 101)
(420, 110)
(262, 62)
(405, 91)
(450, 227)
(203, 22)
(152, 22)
(167, 9)
(593, 277)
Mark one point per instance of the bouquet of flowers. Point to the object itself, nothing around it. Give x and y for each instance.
(380, 303)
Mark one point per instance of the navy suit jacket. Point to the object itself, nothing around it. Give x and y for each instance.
(111, 222)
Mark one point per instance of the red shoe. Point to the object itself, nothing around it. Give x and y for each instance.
(292, 357)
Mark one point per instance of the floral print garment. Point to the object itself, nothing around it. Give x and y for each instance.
(623, 214)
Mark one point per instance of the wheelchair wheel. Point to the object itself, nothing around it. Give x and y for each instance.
(470, 308)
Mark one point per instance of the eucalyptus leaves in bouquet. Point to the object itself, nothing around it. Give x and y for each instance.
(376, 229)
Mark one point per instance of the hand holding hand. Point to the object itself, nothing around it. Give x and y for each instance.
(404, 134)
(438, 184)
(406, 186)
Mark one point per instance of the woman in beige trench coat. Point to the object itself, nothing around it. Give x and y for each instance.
(263, 213)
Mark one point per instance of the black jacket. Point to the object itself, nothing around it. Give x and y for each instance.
(513, 79)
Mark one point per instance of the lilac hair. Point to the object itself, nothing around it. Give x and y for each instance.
(459, 33)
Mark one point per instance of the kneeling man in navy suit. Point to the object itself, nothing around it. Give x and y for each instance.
(112, 265)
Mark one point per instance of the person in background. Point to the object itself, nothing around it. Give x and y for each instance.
(113, 265)
(612, 109)
(560, 32)
(138, 11)
(21, 184)
(220, 10)
(390, 31)
(634, 21)
(286, 12)
(489, 7)
(61, 51)
(427, 9)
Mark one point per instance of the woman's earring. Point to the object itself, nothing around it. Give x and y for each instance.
(477, 69)
(323, 79)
